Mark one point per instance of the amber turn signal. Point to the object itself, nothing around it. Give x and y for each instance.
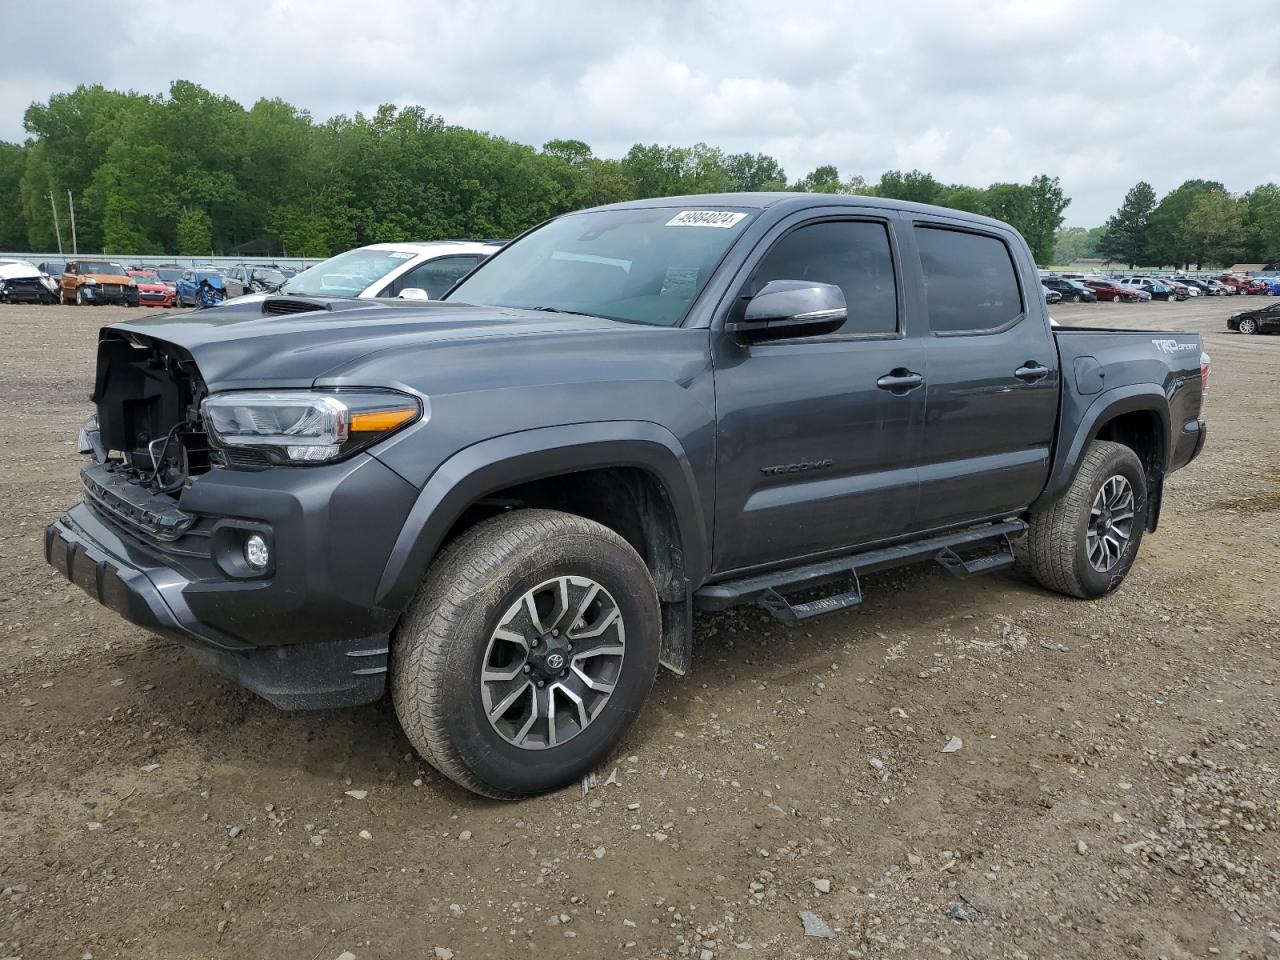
(381, 421)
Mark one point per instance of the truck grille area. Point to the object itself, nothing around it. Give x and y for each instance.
(121, 494)
(148, 395)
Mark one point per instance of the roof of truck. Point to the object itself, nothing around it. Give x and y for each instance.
(762, 201)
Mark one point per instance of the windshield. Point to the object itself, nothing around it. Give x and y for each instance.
(145, 276)
(639, 265)
(348, 274)
(267, 275)
(169, 276)
(101, 268)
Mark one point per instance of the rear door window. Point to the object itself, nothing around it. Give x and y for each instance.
(970, 282)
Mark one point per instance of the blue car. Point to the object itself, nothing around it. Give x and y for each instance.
(199, 288)
(1273, 285)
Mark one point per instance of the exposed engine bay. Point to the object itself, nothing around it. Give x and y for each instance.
(149, 429)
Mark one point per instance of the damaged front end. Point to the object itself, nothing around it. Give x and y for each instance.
(147, 439)
(263, 559)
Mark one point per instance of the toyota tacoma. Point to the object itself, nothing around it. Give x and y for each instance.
(505, 506)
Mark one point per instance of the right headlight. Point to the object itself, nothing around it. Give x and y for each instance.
(89, 282)
(307, 426)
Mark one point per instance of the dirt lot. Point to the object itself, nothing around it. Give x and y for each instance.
(1117, 793)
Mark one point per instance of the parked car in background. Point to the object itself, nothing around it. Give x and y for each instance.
(391, 269)
(253, 279)
(191, 288)
(1218, 288)
(88, 282)
(1262, 320)
(1073, 291)
(1204, 289)
(1257, 287)
(53, 268)
(1112, 291)
(1157, 289)
(1235, 284)
(23, 282)
(1050, 295)
(152, 290)
(1271, 283)
(1180, 287)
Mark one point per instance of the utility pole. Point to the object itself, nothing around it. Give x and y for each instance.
(56, 229)
(75, 247)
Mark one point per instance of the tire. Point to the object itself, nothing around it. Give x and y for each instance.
(1076, 298)
(1056, 550)
(448, 637)
(80, 300)
(1248, 325)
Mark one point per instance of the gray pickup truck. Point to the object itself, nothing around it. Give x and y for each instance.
(507, 505)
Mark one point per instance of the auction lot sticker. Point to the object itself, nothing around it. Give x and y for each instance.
(725, 219)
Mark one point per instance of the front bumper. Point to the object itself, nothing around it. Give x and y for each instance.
(110, 293)
(149, 298)
(306, 636)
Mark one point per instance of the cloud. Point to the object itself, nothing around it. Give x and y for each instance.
(1083, 90)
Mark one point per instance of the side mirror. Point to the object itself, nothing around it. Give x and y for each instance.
(791, 308)
(413, 293)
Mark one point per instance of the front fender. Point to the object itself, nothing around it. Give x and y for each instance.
(492, 465)
(1105, 407)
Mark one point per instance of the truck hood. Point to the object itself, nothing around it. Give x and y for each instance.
(240, 345)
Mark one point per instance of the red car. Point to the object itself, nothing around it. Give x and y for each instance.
(1235, 283)
(152, 291)
(1106, 290)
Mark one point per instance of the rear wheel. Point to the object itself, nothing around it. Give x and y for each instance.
(527, 653)
(1084, 544)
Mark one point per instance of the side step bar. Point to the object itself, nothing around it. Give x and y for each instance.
(962, 553)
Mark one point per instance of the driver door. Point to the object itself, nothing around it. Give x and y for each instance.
(816, 451)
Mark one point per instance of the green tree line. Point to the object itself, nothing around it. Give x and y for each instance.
(1197, 224)
(194, 173)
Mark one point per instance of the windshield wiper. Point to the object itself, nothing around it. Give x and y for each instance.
(576, 313)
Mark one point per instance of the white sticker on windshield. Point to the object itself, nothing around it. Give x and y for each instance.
(725, 219)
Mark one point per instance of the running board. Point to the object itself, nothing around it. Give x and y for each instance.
(768, 589)
(963, 564)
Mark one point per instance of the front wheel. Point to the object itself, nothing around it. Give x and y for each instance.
(527, 653)
(1084, 543)
(1248, 325)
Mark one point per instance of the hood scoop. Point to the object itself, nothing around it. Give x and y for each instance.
(277, 306)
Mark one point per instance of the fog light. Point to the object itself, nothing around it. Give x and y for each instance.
(256, 553)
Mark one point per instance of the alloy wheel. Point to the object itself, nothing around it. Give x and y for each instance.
(1110, 523)
(552, 662)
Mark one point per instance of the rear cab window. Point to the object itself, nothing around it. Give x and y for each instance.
(971, 284)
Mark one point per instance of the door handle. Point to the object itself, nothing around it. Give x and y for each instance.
(1031, 371)
(900, 381)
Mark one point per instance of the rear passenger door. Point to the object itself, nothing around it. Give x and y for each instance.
(992, 392)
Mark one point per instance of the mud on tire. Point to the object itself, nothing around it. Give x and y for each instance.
(1084, 543)
(479, 634)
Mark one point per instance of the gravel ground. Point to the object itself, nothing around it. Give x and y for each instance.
(1116, 792)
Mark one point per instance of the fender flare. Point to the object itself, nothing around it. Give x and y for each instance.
(1108, 405)
(491, 465)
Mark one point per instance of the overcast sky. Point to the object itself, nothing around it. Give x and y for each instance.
(1101, 94)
